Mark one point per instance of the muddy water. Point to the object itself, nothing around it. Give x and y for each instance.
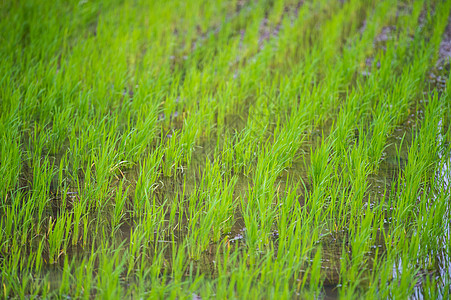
(333, 244)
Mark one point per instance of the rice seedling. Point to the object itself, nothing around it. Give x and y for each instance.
(225, 149)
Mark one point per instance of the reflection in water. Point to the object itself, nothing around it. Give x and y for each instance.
(440, 272)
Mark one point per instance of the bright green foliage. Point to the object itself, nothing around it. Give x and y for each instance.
(268, 149)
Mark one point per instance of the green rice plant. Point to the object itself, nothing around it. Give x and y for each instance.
(39, 260)
(86, 224)
(139, 135)
(214, 198)
(58, 231)
(65, 286)
(172, 155)
(245, 147)
(188, 138)
(178, 266)
(61, 123)
(352, 269)
(137, 237)
(199, 226)
(152, 220)
(147, 179)
(83, 277)
(118, 208)
(19, 284)
(419, 164)
(42, 177)
(79, 214)
(10, 155)
(104, 160)
(111, 266)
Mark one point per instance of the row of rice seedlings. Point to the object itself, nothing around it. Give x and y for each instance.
(11, 155)
(210, 210)
(258, 207)
(375, 210)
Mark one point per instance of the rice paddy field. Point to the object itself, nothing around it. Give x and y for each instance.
(228, 149)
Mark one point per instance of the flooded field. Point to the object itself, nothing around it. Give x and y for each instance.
(225, 149)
